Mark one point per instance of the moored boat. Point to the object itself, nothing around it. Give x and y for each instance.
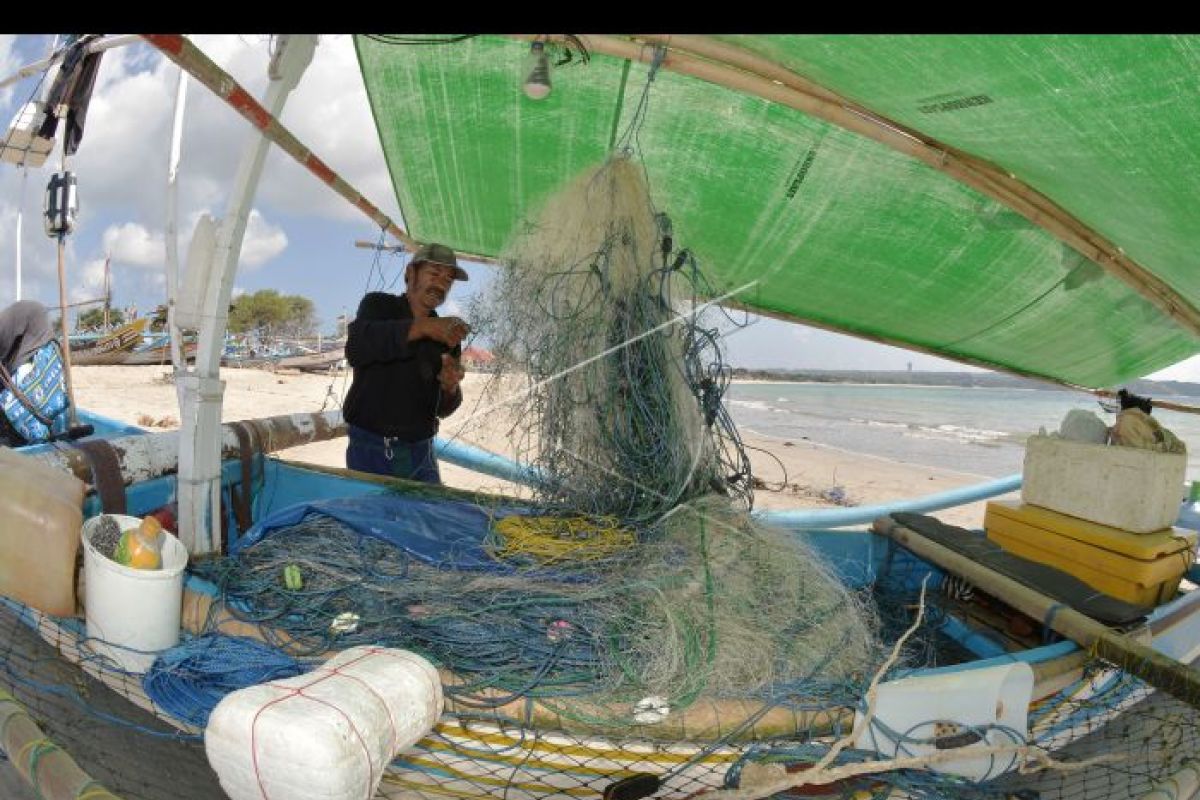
(534, 730)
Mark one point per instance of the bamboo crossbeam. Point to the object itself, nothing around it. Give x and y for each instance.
(1157, 403)
(142, 457)
(1156, 669)
(191, 60)
(733, 68)
(45, 766)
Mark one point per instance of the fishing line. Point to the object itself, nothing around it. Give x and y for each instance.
(615, 348)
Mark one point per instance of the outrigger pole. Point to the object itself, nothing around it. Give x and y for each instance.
(195, 63)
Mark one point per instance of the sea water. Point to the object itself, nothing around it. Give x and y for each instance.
(968, 429)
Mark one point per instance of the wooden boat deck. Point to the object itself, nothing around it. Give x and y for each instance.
(127, 762)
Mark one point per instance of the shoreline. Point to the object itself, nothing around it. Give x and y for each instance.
(784, 442)
(898, 385)
(818, 475)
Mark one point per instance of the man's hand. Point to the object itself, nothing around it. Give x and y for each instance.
(450, 331)
(451, 375)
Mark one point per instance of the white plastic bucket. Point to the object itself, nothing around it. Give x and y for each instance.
(132, 614)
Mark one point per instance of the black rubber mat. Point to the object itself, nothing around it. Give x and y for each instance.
(1054, 583)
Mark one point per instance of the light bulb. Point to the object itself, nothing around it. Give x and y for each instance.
(537, 80)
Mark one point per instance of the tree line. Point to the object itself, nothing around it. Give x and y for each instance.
(266, 311)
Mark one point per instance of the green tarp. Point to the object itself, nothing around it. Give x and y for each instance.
(834, 228)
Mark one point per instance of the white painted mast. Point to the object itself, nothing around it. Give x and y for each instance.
(171, 229)
(20, 216)
(25, 173)
(202, 390)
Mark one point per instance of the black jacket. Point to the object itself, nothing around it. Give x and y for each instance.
(395, 390)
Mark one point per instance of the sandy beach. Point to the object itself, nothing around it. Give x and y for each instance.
(816, 475)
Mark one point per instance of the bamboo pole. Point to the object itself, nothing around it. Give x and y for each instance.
(73, 417)
(171, 226)
(45, 766)
(732, 68)
(191, 60)
(1182, 785)
(1156, 669)
(1157, 403)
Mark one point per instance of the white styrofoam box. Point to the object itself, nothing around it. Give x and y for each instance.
(325, 735)
(1124, 487)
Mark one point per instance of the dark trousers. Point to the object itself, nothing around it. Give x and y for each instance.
(382, 455)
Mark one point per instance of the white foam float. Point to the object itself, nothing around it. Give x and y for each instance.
(325, 735)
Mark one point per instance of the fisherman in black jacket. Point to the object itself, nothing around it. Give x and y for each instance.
(406, 370)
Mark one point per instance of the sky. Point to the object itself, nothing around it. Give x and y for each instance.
(300, 237)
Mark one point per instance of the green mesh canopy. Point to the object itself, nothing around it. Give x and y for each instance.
(832, 228)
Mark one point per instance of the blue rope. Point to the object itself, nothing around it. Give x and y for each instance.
(188, 681)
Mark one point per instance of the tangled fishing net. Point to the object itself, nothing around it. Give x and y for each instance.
(621, 410)
(707, 603)
(637, 571)
(633, 617)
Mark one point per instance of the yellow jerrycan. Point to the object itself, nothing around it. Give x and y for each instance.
(39, 536)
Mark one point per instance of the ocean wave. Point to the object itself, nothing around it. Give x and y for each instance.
(960, 433)
(757, 405)
(878, 423)
(942, 432)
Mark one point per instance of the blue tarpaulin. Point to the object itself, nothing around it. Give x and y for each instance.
(439, 531)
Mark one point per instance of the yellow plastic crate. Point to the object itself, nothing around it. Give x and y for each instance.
(1140, 568)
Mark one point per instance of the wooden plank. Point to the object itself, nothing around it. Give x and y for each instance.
(1136, 658)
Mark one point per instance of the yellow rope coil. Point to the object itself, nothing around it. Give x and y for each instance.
(547, 540)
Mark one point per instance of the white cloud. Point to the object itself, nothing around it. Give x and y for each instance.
(238, 291)
(88, 283)
(1186, 370)
(263, 241)
(10, 62)
(132, 244)
(39, 253)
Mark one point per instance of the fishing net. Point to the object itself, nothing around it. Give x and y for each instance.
(638, 580)
(118, 732)
(596, 312)
(632, 622)
(707, 604)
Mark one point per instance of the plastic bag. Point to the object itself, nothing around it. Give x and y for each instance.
(34, 396)
(1083, 426)
(1136, 428)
